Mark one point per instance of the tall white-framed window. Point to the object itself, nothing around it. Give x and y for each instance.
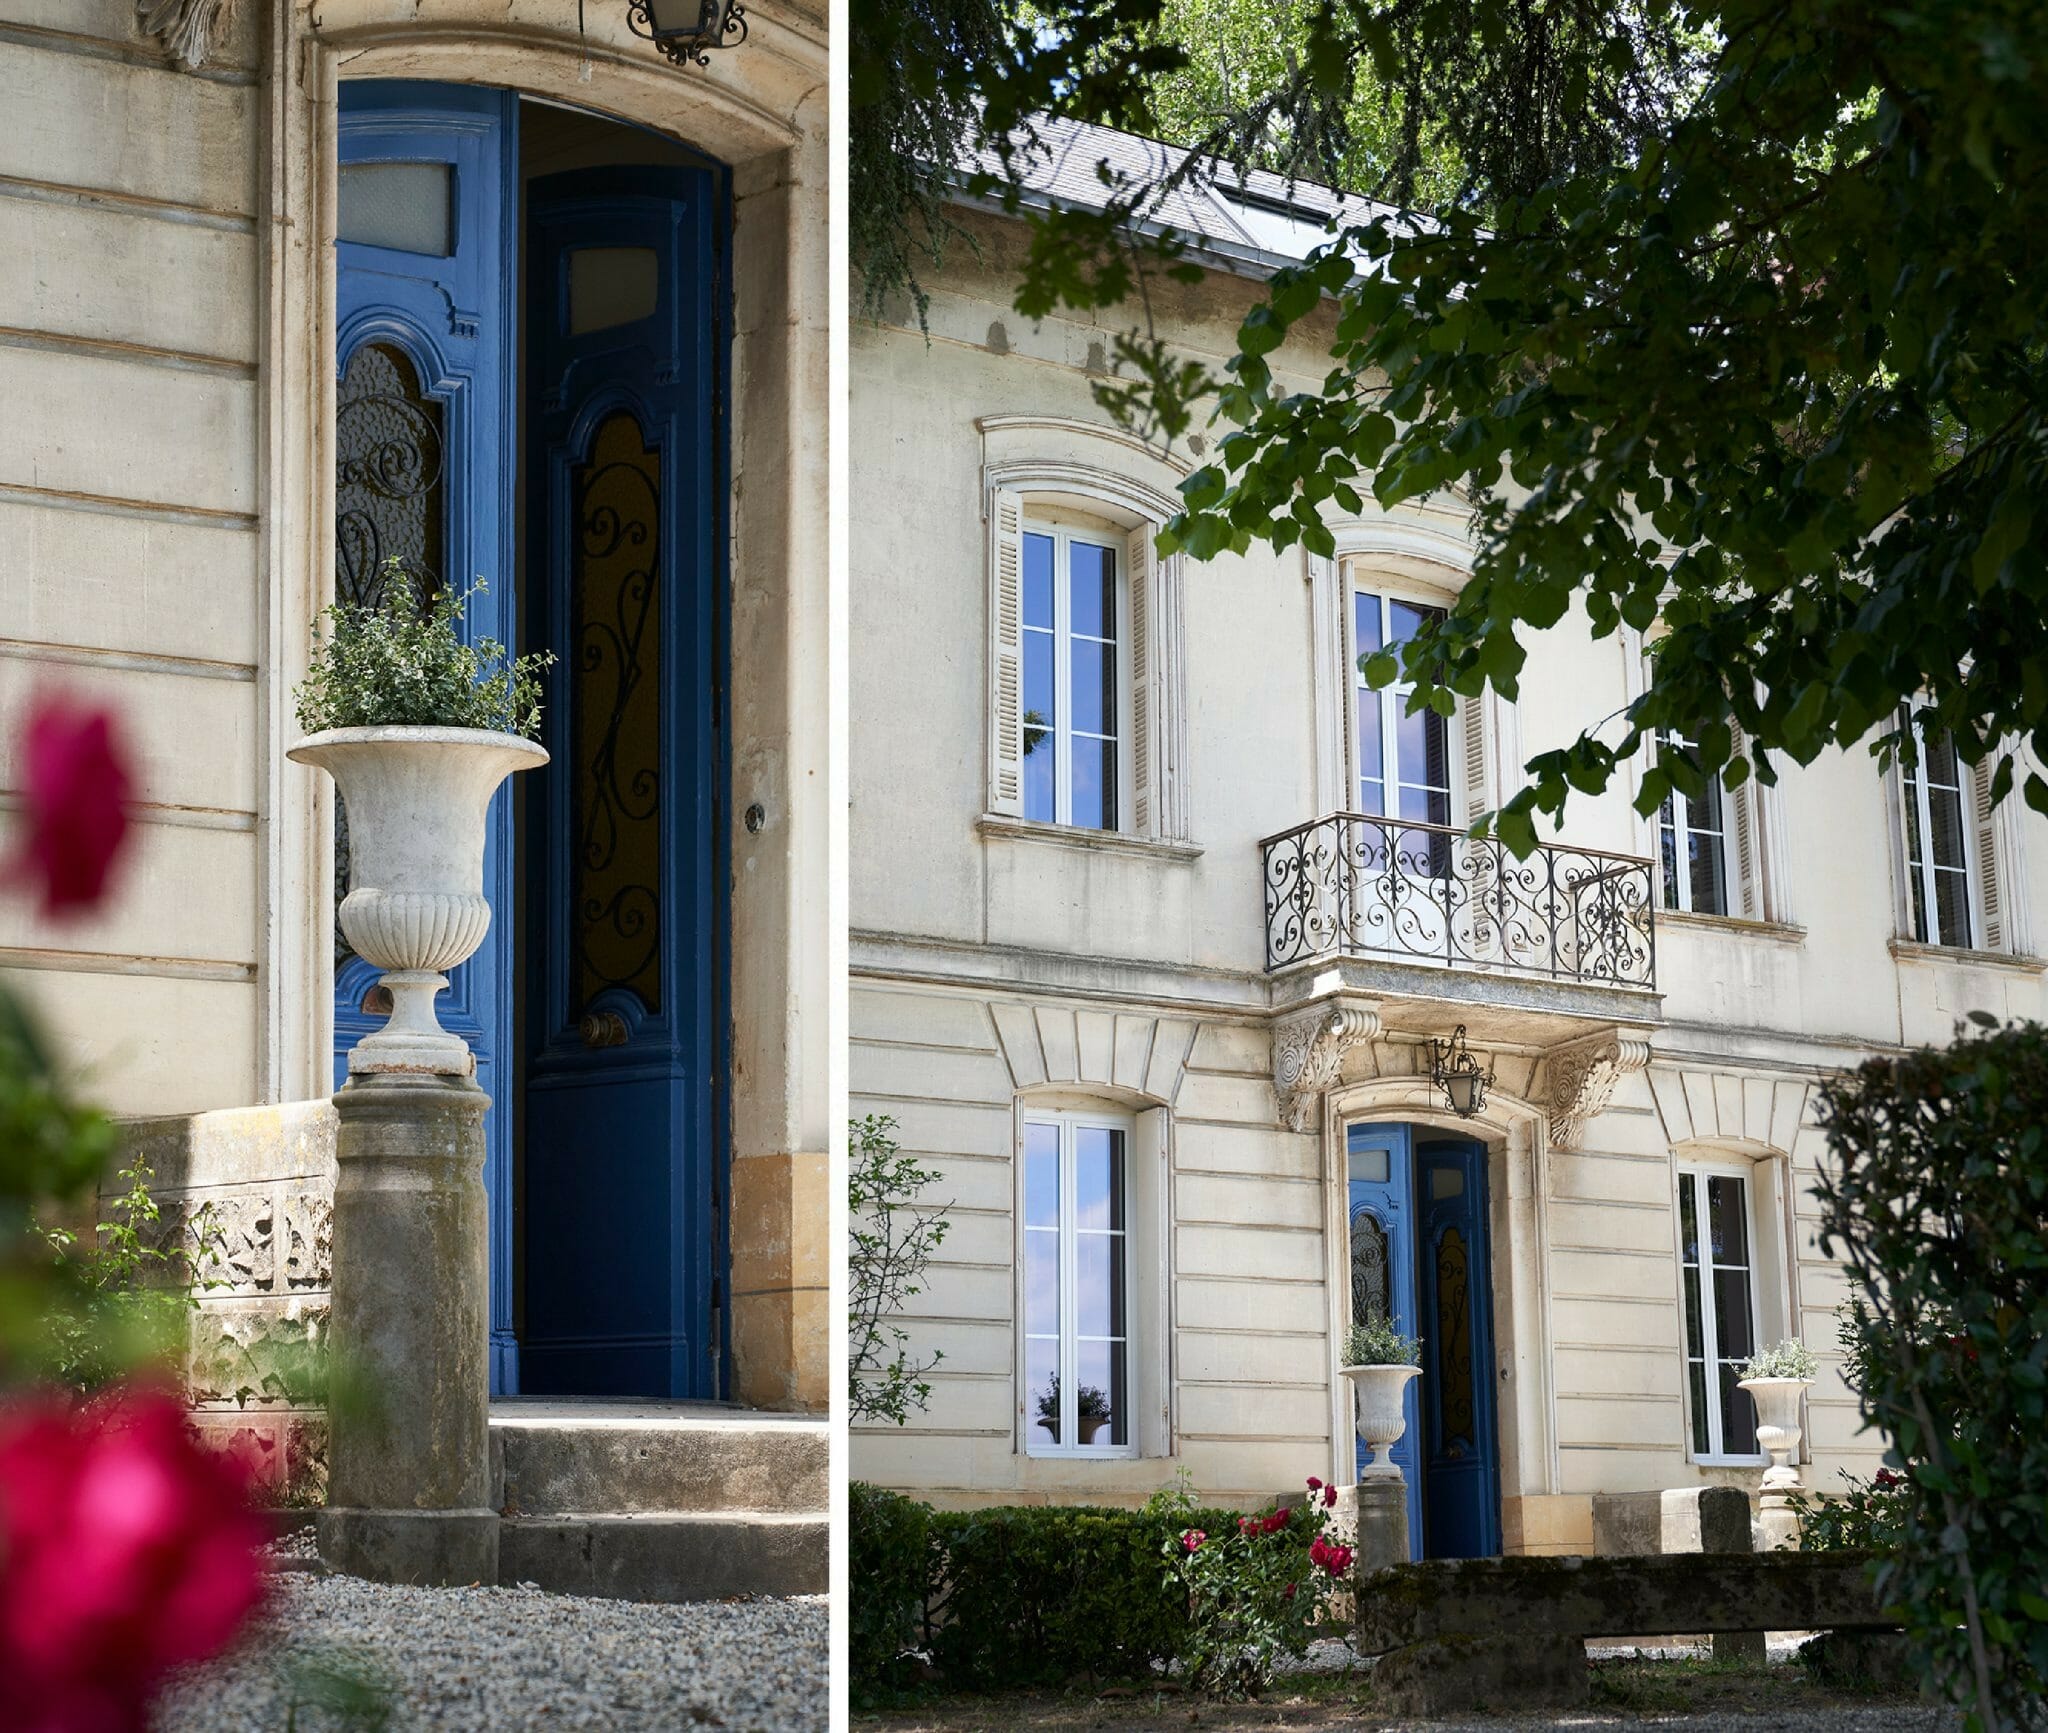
(1401, 763)
(1692, 845)
(1076, 678)
(1075, 1252)
(1718, 1258)
(1937, 799)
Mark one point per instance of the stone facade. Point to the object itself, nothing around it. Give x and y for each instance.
(167, 350)
(1003, 968)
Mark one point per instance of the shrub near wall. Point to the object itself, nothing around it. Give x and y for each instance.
(1014, 1597)
(1935, 1197)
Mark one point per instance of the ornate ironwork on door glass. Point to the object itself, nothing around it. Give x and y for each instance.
(390, 442)
(390, 459)
(1371, 1290)
(1354, 884)
(1454, 1337)
(616, 639)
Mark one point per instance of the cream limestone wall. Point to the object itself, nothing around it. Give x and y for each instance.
(166, 359)
(993, 966)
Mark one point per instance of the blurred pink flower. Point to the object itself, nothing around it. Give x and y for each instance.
(75, 787)
(126, 1549)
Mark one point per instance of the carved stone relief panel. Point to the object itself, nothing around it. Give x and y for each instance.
(306, 1239)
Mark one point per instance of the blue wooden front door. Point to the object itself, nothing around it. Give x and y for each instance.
(1381, 1164)
(1460, 1458)
(626, 972)
(424, 465)
(1419, 1256)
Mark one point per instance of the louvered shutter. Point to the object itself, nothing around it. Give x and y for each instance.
(1984, 841)
(1140, 566)
(1748, 898)
(1006, 652)
(1478, 786)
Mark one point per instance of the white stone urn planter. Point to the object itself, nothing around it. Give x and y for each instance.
(1382, 1393)
(417, 799)
(1777, 1424)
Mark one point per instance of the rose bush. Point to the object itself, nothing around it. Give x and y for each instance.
(1255, 1594)
(126, 1549)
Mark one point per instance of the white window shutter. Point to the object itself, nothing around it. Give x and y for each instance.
(1984, 844)
(1006, 652)
(1151, 1273)
(1141, 562)
(1478, 782)
(1745, 860)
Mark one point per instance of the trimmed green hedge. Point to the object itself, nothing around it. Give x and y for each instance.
(1014, 1597)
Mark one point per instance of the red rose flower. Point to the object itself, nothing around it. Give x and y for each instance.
(1329, 1497)
(1244, 1525)
(1337, 1560)
(1314, 1485)
(1276, 1522)
(74, 796)
(126, 1549)
(1193, 1538)
(1887, 1479)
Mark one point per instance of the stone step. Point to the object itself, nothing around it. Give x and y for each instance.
(639, 1557)
(565, 1459)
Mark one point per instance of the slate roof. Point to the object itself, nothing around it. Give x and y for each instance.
(1259, 220)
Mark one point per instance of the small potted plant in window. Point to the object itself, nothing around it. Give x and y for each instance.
(417, 729)
(1091, 1411)
(1777, 1378)
(1380, 1362)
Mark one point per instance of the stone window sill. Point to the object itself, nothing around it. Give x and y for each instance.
(1956, 956)
(1099, 841)
(1784, 932)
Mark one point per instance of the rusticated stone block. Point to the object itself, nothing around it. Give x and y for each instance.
(1475, 1674)
(1615, 1597)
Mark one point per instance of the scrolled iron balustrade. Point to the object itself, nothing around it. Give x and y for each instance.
(1355, 884)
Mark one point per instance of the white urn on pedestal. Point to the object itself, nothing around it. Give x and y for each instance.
(1778, 1433)
(417, 800)
(1777, 1425)
(1381, 1393)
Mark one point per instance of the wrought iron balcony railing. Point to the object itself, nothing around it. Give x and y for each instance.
(1354, 885)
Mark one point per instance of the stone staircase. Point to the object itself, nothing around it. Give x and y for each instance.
(664, 1501)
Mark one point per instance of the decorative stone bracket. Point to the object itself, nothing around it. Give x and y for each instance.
(1308, 1052)
(1579, 1079)
(189, 29)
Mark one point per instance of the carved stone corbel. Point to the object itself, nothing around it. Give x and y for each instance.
(1308, 1052)
(1579, 1079)
(189, 29)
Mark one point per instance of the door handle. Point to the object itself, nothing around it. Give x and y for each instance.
(603, 1029)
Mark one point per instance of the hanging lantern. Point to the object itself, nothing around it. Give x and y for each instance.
(1453, 1070)
(687, 30)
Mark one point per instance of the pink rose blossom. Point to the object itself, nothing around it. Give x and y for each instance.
(126, 1549)
(75, 786)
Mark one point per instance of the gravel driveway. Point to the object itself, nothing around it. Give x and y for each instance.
(509, 1659)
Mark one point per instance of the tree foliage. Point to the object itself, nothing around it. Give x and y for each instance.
(1778, 382)
(1727, 317)
(1934, 1198)
(894, 1237)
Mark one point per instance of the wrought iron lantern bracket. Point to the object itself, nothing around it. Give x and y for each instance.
(1453, 1069)
(687, 30)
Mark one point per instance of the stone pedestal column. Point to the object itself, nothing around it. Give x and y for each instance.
(409, 1471)
(1376, 1512)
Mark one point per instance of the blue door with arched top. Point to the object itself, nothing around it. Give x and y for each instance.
(1420, 1256)
(625, 977)
(425, 413)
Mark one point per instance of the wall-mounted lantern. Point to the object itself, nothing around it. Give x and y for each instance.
(1453, 1070)
(687, 30)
